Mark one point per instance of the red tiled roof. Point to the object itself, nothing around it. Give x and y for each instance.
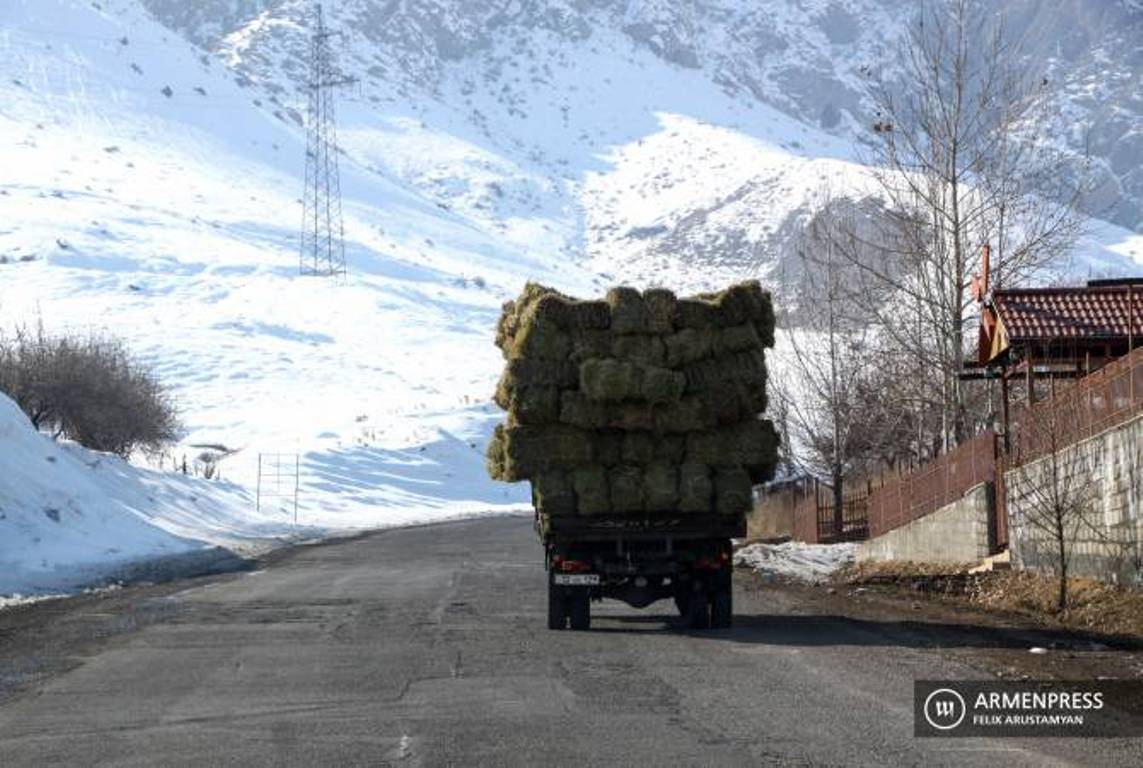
(1091, 312)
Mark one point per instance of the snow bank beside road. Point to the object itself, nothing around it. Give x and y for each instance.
(796, 560)
(69, 516)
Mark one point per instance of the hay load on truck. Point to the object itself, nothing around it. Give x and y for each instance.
(637, 420)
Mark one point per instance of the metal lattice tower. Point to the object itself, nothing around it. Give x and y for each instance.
(323, 231)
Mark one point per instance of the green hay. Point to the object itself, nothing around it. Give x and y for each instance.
(670, 448)
(631, 416)
(591, 490)
(552, 494)
(591, 343)
(746, 444)
(661, 487)
(540, 338)
(661, 306)
(695, 488)
(576, 410)
(638, 448)
(695, 313)
(544, 373)
(660, 385)
(626, 489)
(628, 312)
(608, 447)
(736, 338)
(688, 345)
(732, 491)
(530, 450)
(689, 414)
(740, 367)
(639, 348)
(529, 404)
(609, 380)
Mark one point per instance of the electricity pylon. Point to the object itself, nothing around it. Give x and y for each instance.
(323, 231)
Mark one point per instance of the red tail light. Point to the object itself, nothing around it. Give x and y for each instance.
(573, 566)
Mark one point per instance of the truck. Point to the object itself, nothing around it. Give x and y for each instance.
(640, 561)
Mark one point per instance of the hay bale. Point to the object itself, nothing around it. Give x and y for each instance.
(577, 411)
(689, 414)
(496, 456)
(748, 367)
(695, 488)
(609, 380)
(661, 306)
(591, 343)
(751, 443)
(638, 448)
(590, 315)
(540, 338)
(631, 416)
(721, 403)
(529, 404)
(736, 338)
(661, 487)
(628, 312)
(688, 345)
(552, 494)
(764, 323)
(592, 495)
(661, 385)
(670, 448)
(608, 447)
(626, 489)
(696, 313)
(639, 348)
(530, 450)
(546, 373)
(732, 491)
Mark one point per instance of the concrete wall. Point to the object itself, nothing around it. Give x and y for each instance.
(1103, 476)
(955, 533)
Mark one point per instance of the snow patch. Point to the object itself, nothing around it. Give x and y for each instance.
(813, 563)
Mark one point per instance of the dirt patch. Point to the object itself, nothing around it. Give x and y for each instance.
(1094, 606)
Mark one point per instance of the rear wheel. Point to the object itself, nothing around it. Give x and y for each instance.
(557, 608)
(579, 609)
(722, 607)
(697, 615)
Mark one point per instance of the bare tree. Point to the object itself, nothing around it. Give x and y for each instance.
(956, 160)
(828, 391)
(1056, 494)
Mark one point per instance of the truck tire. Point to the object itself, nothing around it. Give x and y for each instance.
(557, 608)
(698, 610)
(579, 610)
(722, 607)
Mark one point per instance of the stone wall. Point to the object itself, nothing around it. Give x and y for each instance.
(955, 533)
(1102, 476)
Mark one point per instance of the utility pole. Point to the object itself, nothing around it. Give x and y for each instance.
(323, 231)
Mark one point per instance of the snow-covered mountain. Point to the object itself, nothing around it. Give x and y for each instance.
(151, 154)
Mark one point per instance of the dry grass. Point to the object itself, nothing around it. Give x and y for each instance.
(1094, 605)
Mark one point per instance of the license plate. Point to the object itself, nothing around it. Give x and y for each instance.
(576, 579)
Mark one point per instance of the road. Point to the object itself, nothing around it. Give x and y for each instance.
(427, 646)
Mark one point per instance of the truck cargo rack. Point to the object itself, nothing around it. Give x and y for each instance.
(609, 527)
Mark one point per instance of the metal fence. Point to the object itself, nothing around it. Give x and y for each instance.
(1094, 404)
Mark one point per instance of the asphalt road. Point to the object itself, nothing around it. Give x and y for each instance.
(428, 646)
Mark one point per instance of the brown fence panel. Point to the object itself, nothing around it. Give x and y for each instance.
(932, 486)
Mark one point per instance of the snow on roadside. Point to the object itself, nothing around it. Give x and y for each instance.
(812, 563)
(69, 516)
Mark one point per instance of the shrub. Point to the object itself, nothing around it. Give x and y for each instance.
(90, 389)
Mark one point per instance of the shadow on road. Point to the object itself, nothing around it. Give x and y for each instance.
(835, 630)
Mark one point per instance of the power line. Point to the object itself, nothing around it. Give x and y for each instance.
(323, 230)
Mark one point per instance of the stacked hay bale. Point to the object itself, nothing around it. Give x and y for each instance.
(638, 404)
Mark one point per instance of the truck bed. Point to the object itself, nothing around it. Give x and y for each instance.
(654, 526)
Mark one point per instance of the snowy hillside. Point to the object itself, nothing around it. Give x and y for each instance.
(143, 192)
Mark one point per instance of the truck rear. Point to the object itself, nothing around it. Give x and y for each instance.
(636, 418)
